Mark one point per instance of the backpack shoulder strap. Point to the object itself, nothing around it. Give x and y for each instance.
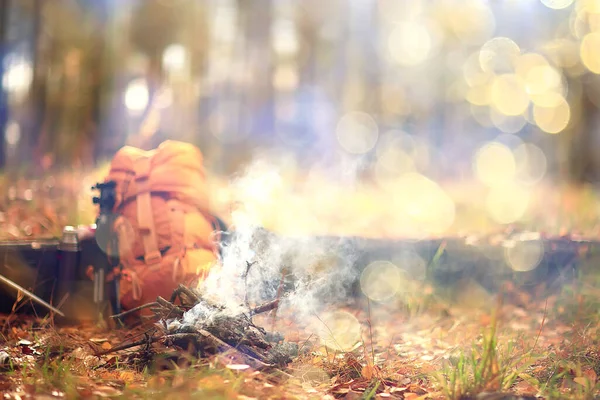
(145, 217)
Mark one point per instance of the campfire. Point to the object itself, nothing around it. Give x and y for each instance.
(202, 328)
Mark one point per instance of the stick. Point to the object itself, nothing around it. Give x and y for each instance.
(279, 290)
(221, 343)
(185, 290)
(31, 295)
(271, 305)
(148, 340)
(169, 306)
(248, 266)
(138, 308)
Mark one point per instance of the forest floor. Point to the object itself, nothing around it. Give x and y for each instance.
(428, 349)
(547, 350)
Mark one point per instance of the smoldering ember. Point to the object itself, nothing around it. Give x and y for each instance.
(299, 199)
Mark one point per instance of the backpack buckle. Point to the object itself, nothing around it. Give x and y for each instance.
(153, 258)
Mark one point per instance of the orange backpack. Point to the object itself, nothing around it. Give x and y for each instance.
(164, 226)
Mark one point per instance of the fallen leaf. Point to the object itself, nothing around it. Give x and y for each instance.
(525, 387)
(582, 380)
(107, 391)
(417, 389)
(591, 375)
(106, 346)
(368, 372)
(127, 376)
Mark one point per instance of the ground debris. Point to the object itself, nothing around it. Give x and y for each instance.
(204, 329)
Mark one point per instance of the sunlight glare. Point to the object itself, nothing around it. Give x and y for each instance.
(507, 203)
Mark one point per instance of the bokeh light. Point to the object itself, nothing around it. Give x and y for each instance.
(498, 55)
(524, 255)
(410, 43)
(17, 77)
(357, 132)
(175, 58)
(137, 96)
(507, 203)
(507, 123)
(285, 78)
(553, 118)
(338, 330)
(531, 163)
(424, 207)
(380, 281)
(480, 95)
(472, 22)
(494, 164)
(543, 79)
(398, 153)
(473, 72)
(590, 56)
(557, 4)
(12, 133)
(284, 36)
(509, 94)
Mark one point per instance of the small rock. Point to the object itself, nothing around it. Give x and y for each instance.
(4, 360)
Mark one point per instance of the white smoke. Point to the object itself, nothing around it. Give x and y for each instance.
(317, 271)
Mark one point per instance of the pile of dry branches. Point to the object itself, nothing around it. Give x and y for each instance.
(203, 328)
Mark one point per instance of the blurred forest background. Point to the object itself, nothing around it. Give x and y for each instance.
(389, 85)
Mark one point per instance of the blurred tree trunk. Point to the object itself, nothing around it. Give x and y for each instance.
(4, 6)
(37, 94)
(257, 17)
(583, 163)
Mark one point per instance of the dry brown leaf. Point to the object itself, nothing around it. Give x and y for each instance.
(106, 346)
(127, 376)
(525, 387)
(368, 371)
(582, 380)
(591, 375)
